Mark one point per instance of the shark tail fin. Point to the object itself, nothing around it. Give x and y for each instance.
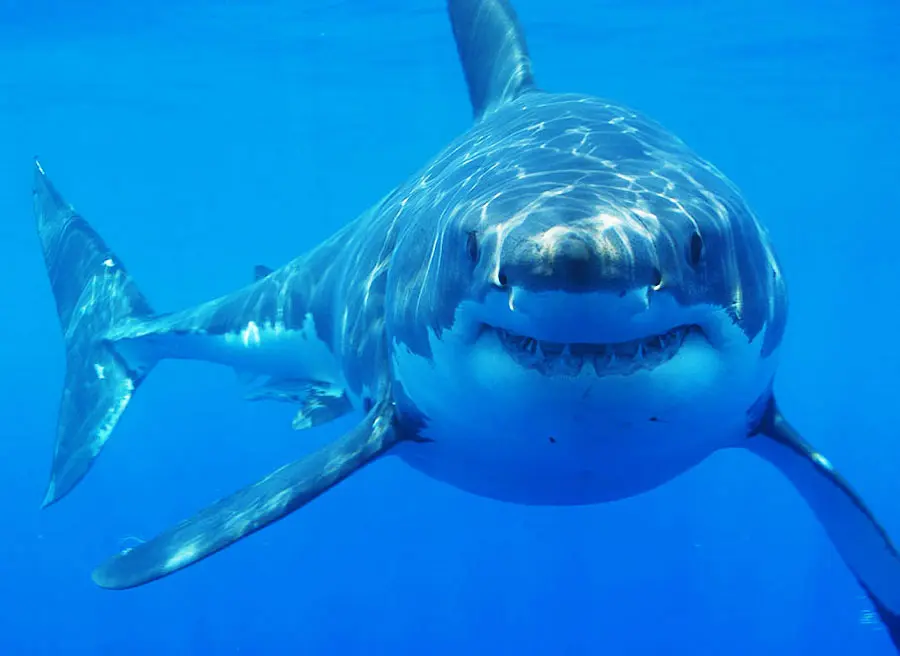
(93, 293)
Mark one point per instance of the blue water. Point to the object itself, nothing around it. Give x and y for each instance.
(203, 137)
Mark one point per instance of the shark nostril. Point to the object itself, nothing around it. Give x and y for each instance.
(656, 279)
(502, 280)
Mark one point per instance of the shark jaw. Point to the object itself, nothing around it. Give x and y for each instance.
(595, 335)
(579, 412)
(599, 359)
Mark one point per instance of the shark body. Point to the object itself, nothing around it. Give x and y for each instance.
(567, 305)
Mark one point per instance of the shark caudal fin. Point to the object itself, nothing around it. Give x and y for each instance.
(93, 293)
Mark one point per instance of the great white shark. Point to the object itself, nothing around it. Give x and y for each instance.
(567, 305)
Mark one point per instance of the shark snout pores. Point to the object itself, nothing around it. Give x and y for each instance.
(569, 259)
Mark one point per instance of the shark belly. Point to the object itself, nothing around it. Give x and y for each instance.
(563, 456)
(579, 439)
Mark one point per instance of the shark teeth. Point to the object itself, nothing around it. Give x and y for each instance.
(569, 359)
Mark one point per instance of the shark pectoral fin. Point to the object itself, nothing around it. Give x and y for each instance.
(493, 51)
(321, 405)
(319, 402)
(860, 540)
(258, 505)
(286, 390)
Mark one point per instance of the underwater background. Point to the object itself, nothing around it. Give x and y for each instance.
(202, 137)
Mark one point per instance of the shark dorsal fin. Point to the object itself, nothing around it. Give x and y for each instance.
(260, 271)
(492, 50)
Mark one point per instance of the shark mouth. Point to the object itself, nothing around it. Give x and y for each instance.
(622, 358)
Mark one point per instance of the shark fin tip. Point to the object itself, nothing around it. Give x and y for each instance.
(49, 497)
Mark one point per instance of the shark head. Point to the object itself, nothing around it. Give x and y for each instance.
(582, 282)
(578, 306)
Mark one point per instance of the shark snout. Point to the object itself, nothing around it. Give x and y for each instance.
(571, 260)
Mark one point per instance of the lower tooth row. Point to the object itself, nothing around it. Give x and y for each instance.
(529, 351)
(574, 365)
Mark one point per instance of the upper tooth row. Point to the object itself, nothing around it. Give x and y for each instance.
(555, 349)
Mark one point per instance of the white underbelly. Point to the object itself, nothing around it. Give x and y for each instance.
(567, 462)
(517, 435)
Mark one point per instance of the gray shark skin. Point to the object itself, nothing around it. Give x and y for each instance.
(566, 306)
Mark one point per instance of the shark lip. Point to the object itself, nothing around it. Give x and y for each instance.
(616, 358)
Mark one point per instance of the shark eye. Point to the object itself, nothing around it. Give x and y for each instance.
(696, 249)
(472, 246)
